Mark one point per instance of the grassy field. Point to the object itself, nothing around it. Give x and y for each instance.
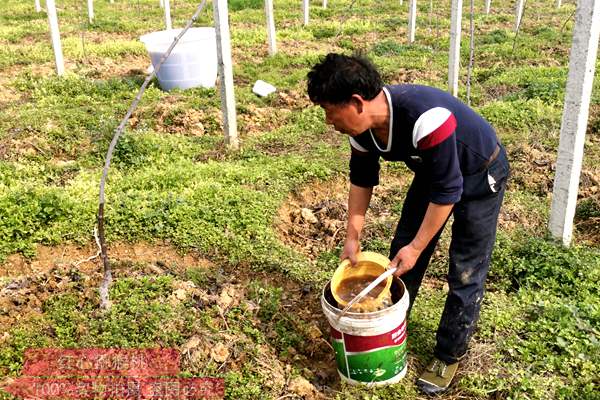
(210, 249)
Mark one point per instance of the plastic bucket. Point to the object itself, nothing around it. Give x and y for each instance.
(369, 264)
(370, 348)
(193, 61)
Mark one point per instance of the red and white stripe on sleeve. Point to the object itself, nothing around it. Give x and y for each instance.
(433, 127)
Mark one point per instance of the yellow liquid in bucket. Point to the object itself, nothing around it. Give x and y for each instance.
(349, 288)
(348, 281)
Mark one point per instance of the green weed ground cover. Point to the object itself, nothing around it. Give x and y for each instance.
(173, 181)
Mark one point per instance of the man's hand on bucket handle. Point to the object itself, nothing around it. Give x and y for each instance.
(405, 259)
(350, 251)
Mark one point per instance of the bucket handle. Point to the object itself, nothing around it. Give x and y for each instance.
(366, 290)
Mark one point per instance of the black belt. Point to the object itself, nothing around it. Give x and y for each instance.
(489, 160)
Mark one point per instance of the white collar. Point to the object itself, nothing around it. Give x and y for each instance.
(389, 141)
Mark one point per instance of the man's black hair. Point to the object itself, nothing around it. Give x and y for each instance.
(337, 77)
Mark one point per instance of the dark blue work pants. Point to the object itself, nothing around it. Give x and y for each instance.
(473, 237)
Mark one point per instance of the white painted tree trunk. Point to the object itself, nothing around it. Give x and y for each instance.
(488, 5)
(412, 20)
(401, 2)
(518, 14)
(221, 17)
(90, 4)
(558, 3)
(582, 61)
(454, 57)
(305, 10)
(38, 7)
(324, 3)
(270, 27)
(167, 6)
(162, 3)
(55, 35)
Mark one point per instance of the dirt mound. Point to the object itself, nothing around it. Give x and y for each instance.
(168, 117)
(313, 227)
(313, 221)
(255, 120)
(532, 168)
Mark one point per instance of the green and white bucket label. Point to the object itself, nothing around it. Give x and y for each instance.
(370, 358)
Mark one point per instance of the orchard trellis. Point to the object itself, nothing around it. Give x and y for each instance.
(586, 34)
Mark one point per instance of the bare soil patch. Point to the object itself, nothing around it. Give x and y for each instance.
(253, 120)
(532, 169)
(109, 68)
(587, 217)
(496, 92)
(292, 99)
(90, 66)
(170, 117)
(314, 220)
(243, 55)
(8, 95)
(405, 75)
(70, 255)
(298, 48)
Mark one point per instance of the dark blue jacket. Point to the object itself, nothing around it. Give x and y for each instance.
(438, 137)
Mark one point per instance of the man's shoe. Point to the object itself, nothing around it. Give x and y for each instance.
(437, 377)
